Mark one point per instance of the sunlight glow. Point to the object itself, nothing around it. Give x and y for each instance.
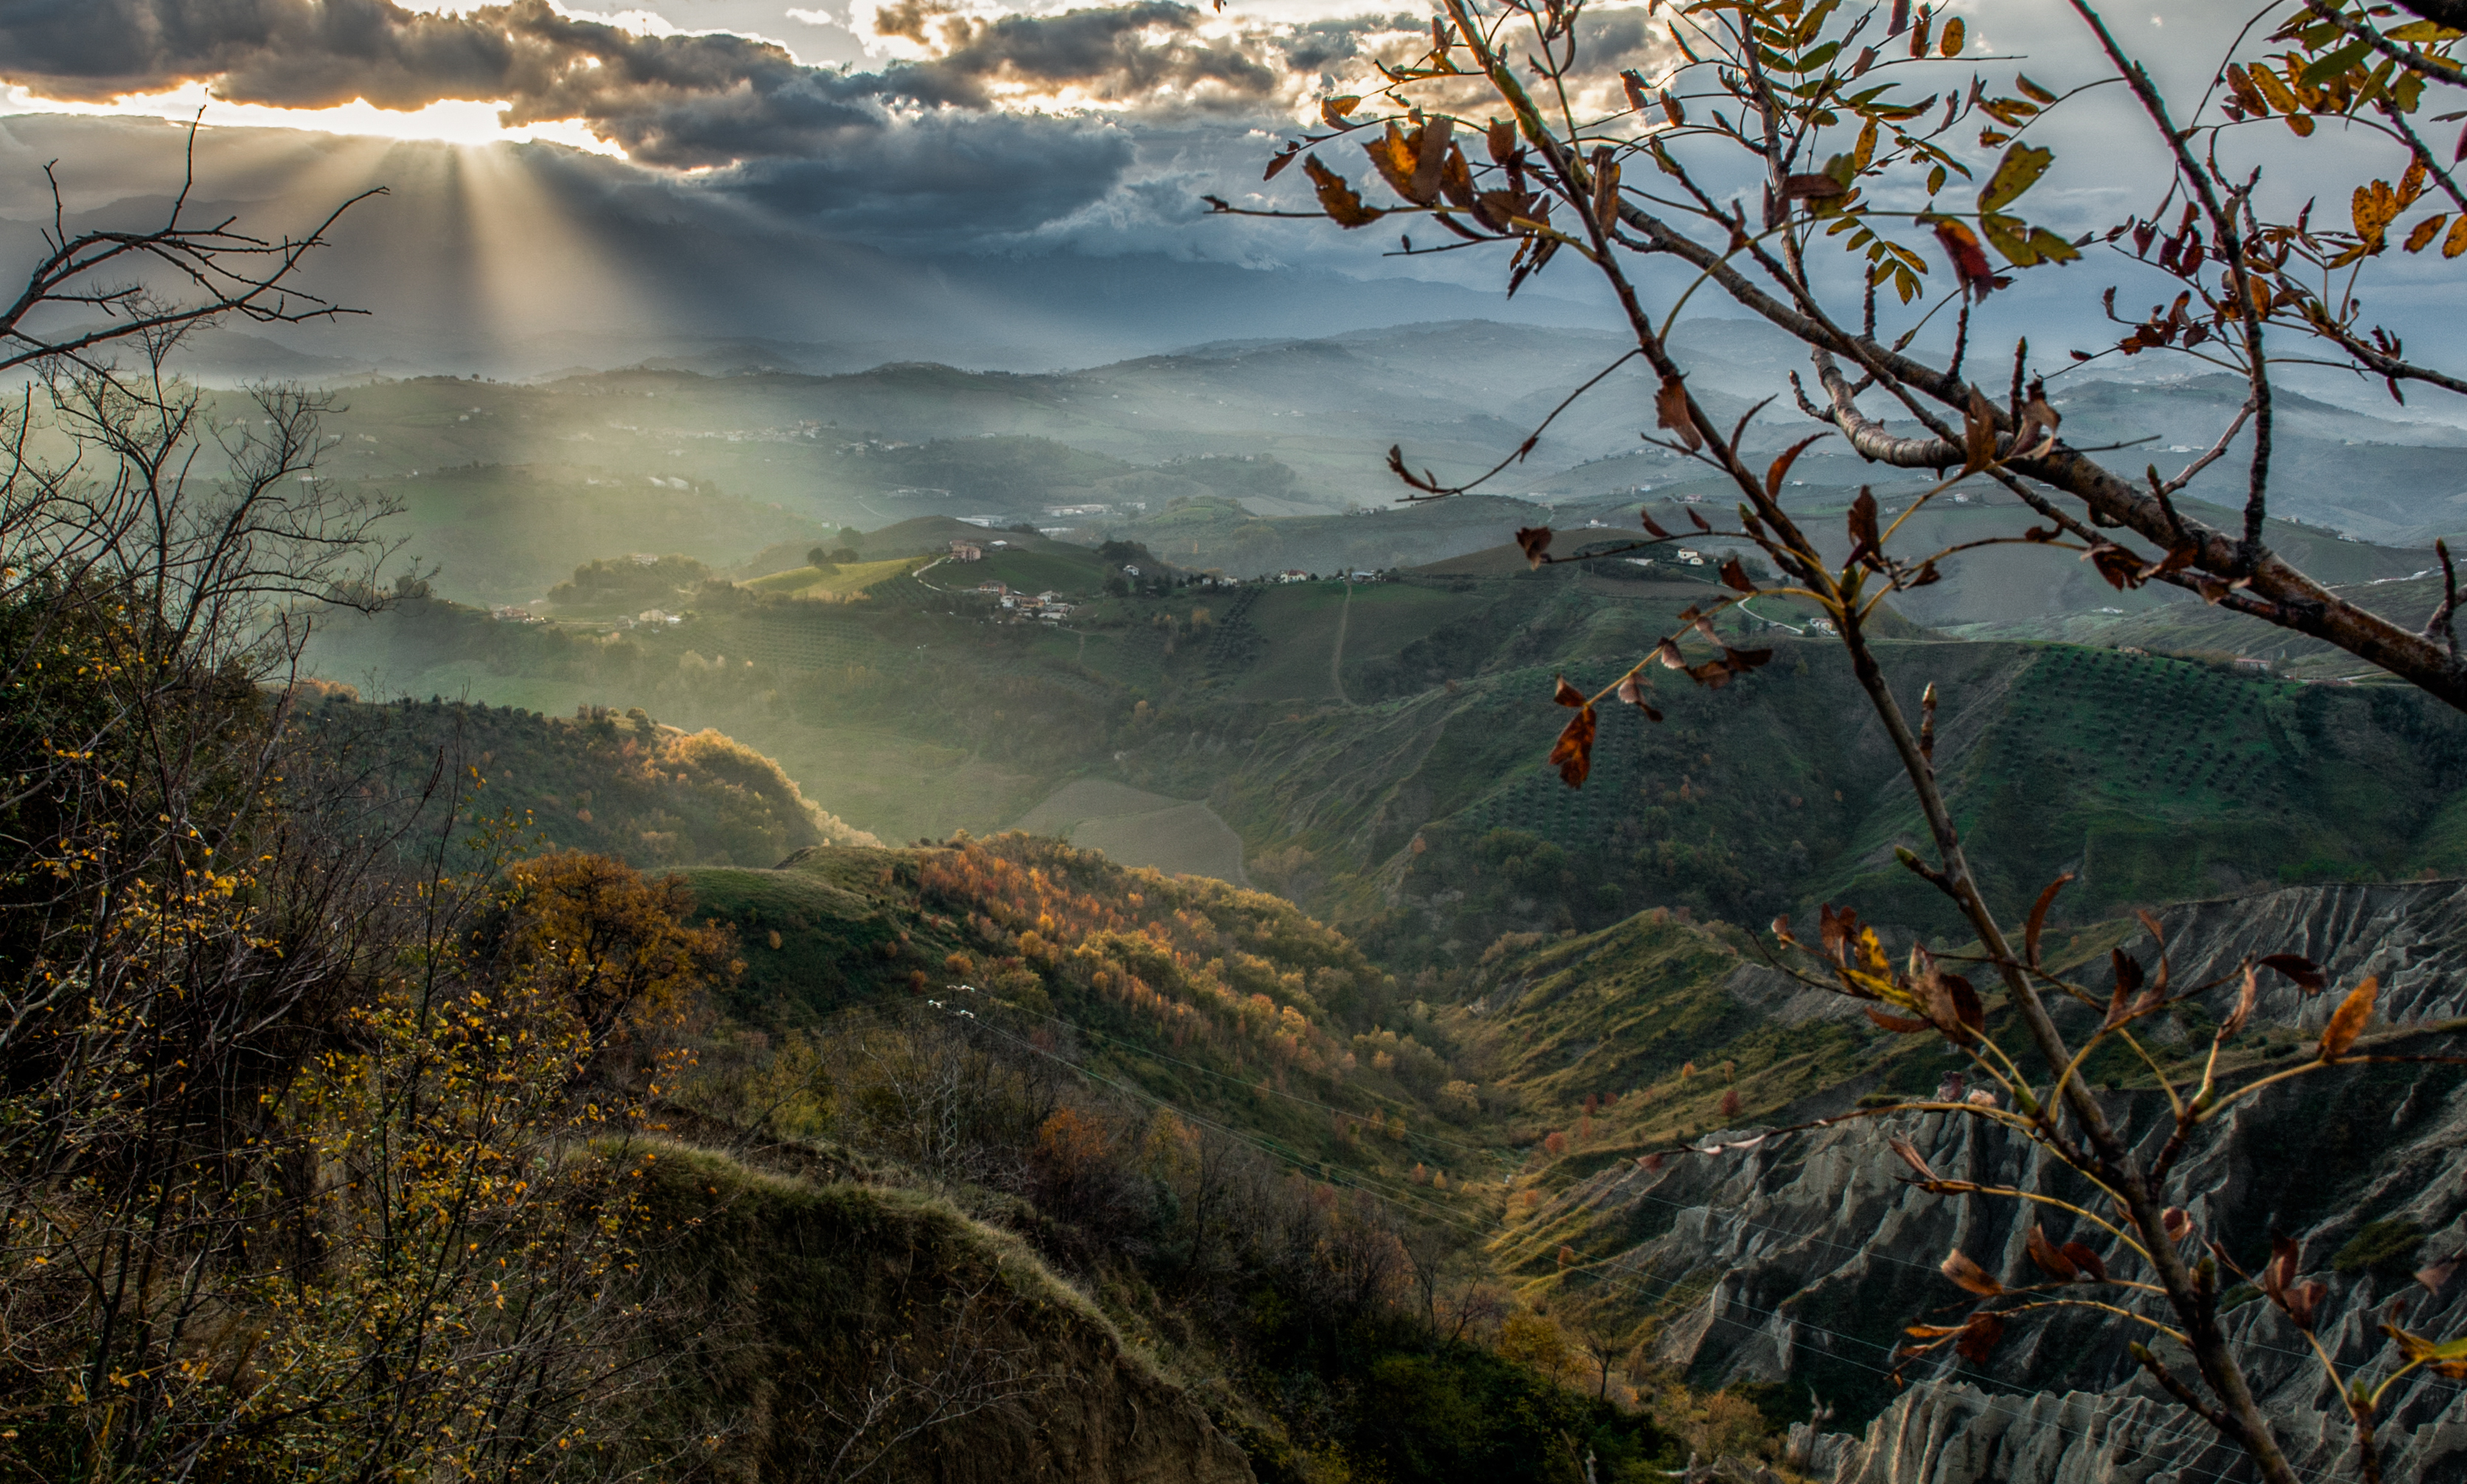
(452, 122)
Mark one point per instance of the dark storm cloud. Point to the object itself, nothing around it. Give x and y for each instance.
(682, 101)
(678, 100)
(949, 176)
(1117, 52)
(895, 151)
(910, 148)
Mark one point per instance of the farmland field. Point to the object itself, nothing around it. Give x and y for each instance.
(1134, 827)
(1301, 624)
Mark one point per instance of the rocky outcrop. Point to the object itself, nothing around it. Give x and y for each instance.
(1801, 1258)
(1956, 1434)
(2413, 934)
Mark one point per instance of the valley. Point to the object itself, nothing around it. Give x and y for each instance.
(1525, 998)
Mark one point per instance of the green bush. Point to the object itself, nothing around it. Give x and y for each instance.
(2383, 1249)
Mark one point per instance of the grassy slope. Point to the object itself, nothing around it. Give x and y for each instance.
(857, 926)
(617, 785)
(1139, 828)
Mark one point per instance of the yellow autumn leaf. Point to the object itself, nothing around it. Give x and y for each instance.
(2372, 208)
(2273, 87)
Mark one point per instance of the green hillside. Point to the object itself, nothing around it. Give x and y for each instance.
(620, 784)
(505, 534)
(1379, 746)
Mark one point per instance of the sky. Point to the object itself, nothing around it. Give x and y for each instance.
(948, 128)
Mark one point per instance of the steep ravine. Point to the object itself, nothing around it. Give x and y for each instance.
(1798, 1260)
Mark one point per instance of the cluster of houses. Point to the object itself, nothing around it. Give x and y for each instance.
(1050, 607)
(1685, 556)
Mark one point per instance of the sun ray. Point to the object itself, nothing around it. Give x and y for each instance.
(451, 121)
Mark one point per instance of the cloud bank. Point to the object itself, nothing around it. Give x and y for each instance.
(970, 122)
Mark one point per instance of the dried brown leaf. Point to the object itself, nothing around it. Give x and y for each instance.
(2280, 1270)
(1430, 158)
(2243, 1011)
(1630, 690)
(1968, 1275)
(2039, 918)
(2433, 1275)
(2306, 974)
(1970, 265)
(2303, 1299)
(1670, 410)
(1573, 755)
(2050, 1260)
(2088, 1261)
(1337, 197)
(1456, 183)
(1862, 525)
(1502, 141)
(1394, 154)
(1980, 1336)
(2348, 1021)
(1977, 434)
(2128, 983)
(1780, 467)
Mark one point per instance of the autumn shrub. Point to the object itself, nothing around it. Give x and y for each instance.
(1727, 1426)
(302, 1172)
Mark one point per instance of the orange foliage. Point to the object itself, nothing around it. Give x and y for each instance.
(1197, 957)
(615, 947)
(1070, 1142)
